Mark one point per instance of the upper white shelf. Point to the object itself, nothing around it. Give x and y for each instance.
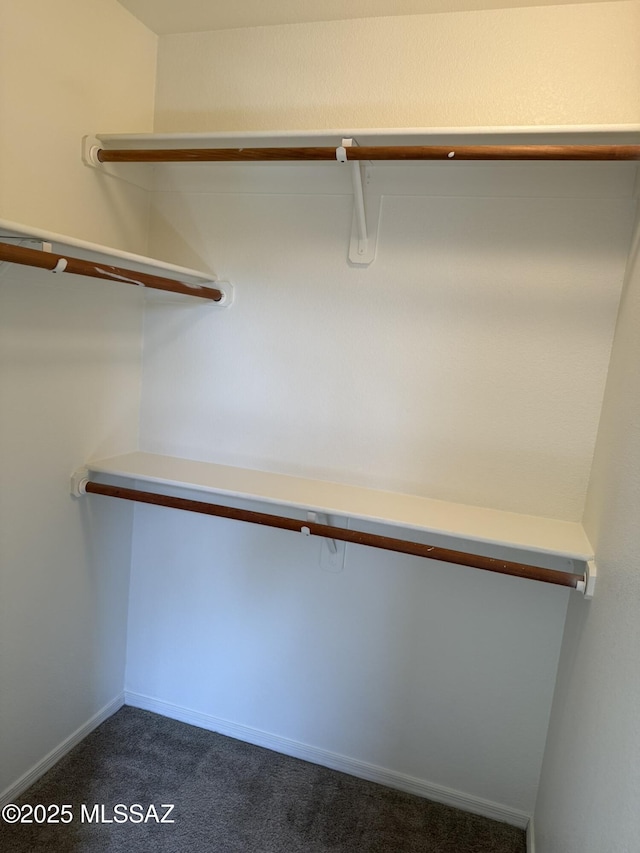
(361, 146)
(15, 233)
(559, 135)
(468, 523)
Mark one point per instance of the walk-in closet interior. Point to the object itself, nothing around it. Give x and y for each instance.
(433, 341)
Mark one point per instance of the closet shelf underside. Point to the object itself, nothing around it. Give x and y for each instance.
(411, 512)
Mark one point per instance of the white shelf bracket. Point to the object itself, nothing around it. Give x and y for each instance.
(364, 228)
(588, 585)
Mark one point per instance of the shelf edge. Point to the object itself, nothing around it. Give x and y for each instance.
(26, 232)
(132, 467)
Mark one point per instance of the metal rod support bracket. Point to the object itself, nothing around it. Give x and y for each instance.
(312, 518)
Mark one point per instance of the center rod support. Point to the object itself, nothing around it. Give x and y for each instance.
(489, 564)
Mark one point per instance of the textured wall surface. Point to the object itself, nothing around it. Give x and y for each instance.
(67, 69)
(468, 363)
(589, 787)
(69, 371)
(544, 65)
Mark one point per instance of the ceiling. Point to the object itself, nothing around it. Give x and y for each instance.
(183, 16)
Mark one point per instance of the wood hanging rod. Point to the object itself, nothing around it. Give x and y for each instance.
(490, 564)
(64, 263)
(377, 152)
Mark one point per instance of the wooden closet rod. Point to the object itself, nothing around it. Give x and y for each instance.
(521, 570)
(64, 263)
(377, 152)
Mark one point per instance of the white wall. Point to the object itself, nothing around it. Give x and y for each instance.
(589, 787)
(468, 362)
(543, 65)
(70, 352)
(67, 69)
(69, 390)
(433, 673)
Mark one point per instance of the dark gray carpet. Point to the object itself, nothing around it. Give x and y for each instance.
(230, 797)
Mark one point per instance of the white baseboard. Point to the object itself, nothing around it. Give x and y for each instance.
(334, 761)
(27, 779)
(531, 838)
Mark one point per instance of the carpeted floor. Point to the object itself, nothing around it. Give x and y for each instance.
(228, 797)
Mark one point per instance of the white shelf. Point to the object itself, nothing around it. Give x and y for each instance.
(367, 200)
(60, 243)
(560, 135)
(533, 534)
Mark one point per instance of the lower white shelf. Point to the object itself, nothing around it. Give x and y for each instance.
(486, 531)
